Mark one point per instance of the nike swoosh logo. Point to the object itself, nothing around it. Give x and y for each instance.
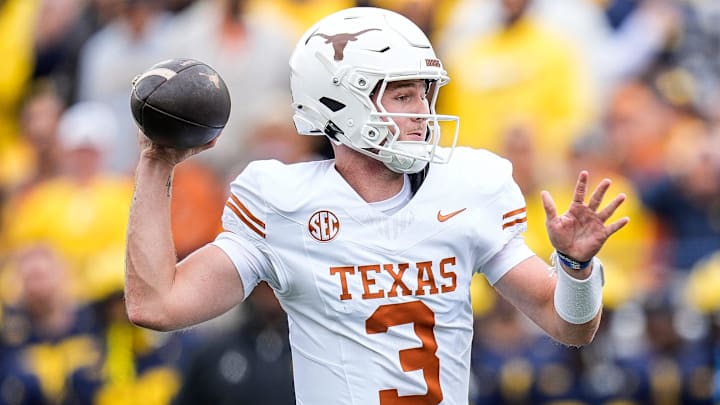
(443, 218)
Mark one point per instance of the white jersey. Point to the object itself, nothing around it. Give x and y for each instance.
(378, 305)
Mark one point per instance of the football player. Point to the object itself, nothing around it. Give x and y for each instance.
(371, 253)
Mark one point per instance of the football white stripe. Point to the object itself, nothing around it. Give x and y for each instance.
(164, 72)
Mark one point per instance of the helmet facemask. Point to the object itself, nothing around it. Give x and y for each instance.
(408, 156)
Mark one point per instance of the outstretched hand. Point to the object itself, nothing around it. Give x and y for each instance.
(167, 154)
(581, 231)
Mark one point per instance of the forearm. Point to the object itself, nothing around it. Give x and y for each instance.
(552, 317)
(531, 288)
(150, 255)
(576, 335)
(577, 302)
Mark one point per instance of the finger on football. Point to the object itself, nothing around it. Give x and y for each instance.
(206, 146)
(142, 139)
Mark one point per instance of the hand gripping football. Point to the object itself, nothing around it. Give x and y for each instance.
(180, 103)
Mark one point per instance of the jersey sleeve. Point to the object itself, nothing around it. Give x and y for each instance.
(243, 239)
(249, 261)
(506, 221)
(512, 209)
(514, 252)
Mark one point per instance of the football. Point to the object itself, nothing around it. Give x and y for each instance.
(180, 103)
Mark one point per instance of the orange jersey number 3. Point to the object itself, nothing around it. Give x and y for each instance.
(419, 358)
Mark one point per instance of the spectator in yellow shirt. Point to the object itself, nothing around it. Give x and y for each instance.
(521, 73)
(82, 212)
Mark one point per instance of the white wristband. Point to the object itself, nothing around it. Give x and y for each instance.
(579, 301)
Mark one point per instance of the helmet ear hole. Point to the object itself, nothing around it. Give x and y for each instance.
(371, 133)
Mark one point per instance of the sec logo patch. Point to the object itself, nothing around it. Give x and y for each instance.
(323, 226)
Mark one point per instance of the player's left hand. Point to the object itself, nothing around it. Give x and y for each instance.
(581, 231)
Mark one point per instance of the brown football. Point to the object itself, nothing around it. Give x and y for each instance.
(180, 103)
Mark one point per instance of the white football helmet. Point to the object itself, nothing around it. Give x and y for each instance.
(341, 60)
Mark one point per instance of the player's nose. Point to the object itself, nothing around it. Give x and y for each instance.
(420, 106)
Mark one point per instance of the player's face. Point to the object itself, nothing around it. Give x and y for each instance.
(408, 96)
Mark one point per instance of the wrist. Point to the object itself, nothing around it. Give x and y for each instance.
(155, 174)
(579, 301)
(570, 262)
(152, 162)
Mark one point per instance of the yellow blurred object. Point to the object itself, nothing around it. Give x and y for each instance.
(119, 366)
(10, 284)
(17, 27)
(523, 75)
(703, 286)
(397, 4)
(155, 387)
(123, 382)
(620, 286)
(482, 295)
(516, 378)
(302, 14)
(86, 223)
(53, 363)
(441, 10)
(17, 163)
(103, 275)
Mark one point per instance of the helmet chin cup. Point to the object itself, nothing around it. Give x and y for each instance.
(409, 156)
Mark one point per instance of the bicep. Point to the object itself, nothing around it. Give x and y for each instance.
(206, 285)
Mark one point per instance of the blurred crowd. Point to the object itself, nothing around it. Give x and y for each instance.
(627, 89)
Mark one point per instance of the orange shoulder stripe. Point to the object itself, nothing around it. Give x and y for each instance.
(247, 211)
(246, 217)
(515, 222)
(514, 212)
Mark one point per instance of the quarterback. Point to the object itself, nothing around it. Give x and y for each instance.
(371, 253)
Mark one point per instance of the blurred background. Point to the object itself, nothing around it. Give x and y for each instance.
(624, 88)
